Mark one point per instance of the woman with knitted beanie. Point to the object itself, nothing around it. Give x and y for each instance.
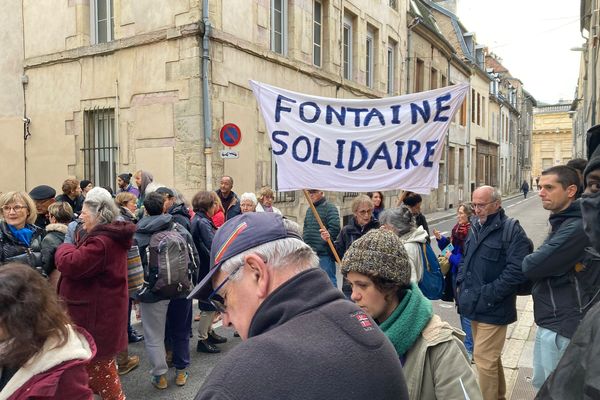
(432, 354)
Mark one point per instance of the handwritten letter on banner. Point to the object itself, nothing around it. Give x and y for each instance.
(358, 145)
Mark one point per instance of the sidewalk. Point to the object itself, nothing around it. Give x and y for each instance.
(517, 355)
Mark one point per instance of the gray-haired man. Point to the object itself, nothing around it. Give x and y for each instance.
(302, 339)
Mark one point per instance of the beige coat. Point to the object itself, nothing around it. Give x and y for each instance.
(437, 364)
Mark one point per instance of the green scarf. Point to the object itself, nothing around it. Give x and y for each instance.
(408, 320)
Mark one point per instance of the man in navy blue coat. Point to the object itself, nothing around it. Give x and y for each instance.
(488, 280)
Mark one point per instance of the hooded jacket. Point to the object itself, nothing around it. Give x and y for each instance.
(306, 341)
(93, 284)
(437, 366)
(181, 215)
(562, 274)
(55, 236)
(413, 242)
(55, 372)
(148, 226)
(489, 275)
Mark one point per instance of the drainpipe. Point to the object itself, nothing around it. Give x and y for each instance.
(408, 58)
(206, 101)
(447, 152)
(26, 120)
(469, 158)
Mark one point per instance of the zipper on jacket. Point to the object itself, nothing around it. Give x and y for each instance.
(552, 297)
(578, 291)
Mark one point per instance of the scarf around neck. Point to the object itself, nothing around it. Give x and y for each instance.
(23, 235)
(408, 320)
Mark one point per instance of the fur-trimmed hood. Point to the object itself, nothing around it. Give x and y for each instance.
(62, 228)
(80, 348)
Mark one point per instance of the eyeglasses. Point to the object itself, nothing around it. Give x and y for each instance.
(16, 208)
(364, 212)
(214, 299)
(482, 205)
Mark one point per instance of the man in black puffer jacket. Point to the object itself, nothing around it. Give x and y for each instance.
(558, 272)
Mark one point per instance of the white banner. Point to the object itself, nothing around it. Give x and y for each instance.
(357, 145)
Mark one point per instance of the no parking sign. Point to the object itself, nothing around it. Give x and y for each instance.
(230, 135)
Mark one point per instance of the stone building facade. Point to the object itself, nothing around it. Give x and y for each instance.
(552, 137)
(113, 86)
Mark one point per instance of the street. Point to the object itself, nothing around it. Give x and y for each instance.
(517, 357)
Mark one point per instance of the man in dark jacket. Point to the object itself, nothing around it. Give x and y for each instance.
(576, 375)
(43, 196)
(270, 290)
(311, 233)
(487, 283)
(229, 200)
(72, 195)
(554, 269)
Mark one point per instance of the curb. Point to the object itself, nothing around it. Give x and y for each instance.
(452, 214)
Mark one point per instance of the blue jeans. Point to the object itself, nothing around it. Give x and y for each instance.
(465, 323)
(328, 265)
(548, 349)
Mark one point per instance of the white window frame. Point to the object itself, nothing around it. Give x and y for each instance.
(110, 26)
(284, 25)
(347, 48)
(391, 67)
(370, 58)
(318, 24)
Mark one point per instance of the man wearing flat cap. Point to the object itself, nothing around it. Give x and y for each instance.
(43, 196)
(301, 338)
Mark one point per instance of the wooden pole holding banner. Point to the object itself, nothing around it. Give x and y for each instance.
(318, 218)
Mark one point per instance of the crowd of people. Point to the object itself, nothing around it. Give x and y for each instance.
(67, 288)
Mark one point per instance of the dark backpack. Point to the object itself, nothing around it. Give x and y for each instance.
(507, 233)
(432, 283)
(168, 256)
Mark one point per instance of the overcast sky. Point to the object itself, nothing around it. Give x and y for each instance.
(533, 38)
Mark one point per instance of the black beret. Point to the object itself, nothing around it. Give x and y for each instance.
(42, 192)
(165, 190)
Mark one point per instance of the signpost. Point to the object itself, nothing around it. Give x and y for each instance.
(230, 135)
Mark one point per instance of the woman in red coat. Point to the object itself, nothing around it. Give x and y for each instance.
(94, 286)
(42, 356)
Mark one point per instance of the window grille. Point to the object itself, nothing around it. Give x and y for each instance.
(100, 147)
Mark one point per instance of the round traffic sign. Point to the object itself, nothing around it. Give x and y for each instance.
(230, 135)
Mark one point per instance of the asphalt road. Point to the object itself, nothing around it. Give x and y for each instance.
(137, 384)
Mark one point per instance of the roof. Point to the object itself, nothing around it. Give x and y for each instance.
(459, 28)
(426, 19)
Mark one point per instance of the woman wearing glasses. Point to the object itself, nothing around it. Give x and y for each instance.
(361, 223)
(20, 239)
